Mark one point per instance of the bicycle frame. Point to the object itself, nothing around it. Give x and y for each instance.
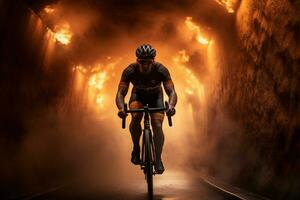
(148, 148)
(147, 128)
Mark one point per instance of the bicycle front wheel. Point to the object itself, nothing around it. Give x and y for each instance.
(148, 163)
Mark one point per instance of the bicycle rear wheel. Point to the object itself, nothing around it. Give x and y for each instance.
(148, 163)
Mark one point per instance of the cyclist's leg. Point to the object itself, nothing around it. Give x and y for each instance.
(158, 134)
(156, 123)
(135, 124)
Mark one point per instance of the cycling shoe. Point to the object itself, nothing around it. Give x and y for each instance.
(159, 167)
(135, 157)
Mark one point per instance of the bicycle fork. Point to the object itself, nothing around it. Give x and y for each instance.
(153, 154)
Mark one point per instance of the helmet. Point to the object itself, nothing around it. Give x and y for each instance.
(145, 51)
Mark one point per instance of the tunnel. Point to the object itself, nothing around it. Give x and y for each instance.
(235, 65)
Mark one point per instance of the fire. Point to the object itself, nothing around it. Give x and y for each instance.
(194, 90)
(49, 9)
(191, 80)
(95, 88)
(228, 4)
(63, 34)
(61, 31)
(96, 84)
(80, 69)
(182, 57)
(96, 77)
(196, 30)
(100, 100)
(97, 80)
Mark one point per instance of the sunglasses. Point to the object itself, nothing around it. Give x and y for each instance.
(145, 61)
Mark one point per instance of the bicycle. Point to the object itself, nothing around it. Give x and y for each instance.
(148, 150)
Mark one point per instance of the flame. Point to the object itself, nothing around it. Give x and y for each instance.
(96, 85)
(95, 88)
(49, 9)
(97, 80)
(80, 68)
(228, 4)
(100, 100)
(192, 82)
(63, 34)
(194, 90)
(182, 57)
(196, 30)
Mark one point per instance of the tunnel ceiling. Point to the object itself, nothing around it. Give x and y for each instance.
(107, 23)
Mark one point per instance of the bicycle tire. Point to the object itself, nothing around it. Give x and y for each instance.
(148, 163)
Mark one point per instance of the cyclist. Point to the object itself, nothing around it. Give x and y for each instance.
(146, 75)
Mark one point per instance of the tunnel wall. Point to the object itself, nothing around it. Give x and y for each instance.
(258, 93)
(31, 89)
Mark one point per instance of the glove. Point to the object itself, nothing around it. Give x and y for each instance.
(122, 114)
(171, 111)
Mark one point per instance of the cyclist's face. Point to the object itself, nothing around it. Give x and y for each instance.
(145, 64)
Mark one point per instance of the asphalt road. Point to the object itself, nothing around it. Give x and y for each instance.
(172, 185)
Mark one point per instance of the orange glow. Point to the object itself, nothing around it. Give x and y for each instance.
(80, 69)
(96, 85)
(48, 48)
(100, 100)
(192, 82)
(97, 80)
(228, 4)
(196, 31)
(96, 77)
(79, 82)
(36, 29)
(63, 33)
(49, 9)
(193, 92)
(182, 57)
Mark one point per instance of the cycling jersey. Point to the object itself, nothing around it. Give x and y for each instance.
(146, 87)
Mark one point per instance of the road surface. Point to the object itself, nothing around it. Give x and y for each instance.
(172, 185)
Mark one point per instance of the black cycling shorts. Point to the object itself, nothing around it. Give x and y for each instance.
(154, 100)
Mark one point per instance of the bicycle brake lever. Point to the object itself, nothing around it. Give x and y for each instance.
(124, 119)
(169, 117)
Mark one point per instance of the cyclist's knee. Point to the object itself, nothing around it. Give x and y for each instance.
(156, 123)
(136, 117)
(157, 116)
(135, 105)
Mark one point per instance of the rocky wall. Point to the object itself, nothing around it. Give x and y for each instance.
(259, 90)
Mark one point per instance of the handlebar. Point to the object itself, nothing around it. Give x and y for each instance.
(146, 109)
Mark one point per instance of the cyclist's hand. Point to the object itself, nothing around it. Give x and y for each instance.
(171, 111)
(122, 114)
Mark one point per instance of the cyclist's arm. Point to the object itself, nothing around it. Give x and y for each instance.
(170, 90)
(168, 85)
(122, 91)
